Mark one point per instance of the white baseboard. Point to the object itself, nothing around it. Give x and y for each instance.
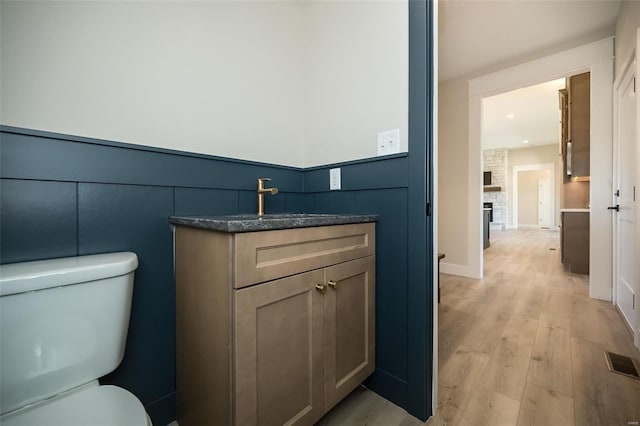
(528, 226)
(456, 269)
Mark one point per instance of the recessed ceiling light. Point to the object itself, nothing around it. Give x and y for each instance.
(525, 141)
(510, 116)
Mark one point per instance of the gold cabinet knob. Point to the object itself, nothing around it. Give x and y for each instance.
(321, 288)
(333, 284)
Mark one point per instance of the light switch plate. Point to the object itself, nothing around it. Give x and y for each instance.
(334, 179)
(389, 142)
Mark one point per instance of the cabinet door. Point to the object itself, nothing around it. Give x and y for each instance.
(564, 130)
(278, 352)
(562, 237)
(576, 241)
(580, 111)
(349, 327)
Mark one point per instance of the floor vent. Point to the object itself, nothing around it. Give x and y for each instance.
(623, 365)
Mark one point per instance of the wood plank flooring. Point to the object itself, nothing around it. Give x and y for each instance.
(523, 346)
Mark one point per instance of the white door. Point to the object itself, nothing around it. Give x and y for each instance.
(624, 220)
(544, 204)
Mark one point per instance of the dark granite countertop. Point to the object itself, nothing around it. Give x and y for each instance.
(252, 222)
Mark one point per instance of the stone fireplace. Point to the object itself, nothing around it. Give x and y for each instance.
(495, 161)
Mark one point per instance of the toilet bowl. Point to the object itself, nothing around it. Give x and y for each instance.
(63, 325)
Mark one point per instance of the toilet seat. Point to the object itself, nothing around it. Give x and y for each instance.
(89, 405)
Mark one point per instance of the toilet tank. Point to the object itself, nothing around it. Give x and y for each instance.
(63, 323)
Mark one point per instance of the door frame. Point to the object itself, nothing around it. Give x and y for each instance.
(552, 191)
(596, 58)
(422, 314)
(628, 66)
(637, 331)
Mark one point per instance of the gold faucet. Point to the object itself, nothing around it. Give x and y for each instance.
(261, 191)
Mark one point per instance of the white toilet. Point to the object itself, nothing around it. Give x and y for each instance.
(63, 324)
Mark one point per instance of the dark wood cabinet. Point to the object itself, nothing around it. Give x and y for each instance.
(574, 241)
(579, 123)
(486, 228)
(563, 96)
(575, 107)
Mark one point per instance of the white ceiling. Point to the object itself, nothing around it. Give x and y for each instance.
(475, 34)
(536, 117)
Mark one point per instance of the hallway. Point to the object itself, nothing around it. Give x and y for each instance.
(525, 344)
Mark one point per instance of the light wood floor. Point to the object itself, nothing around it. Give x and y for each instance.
(523, 346)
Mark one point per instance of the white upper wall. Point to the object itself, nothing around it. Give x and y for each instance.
(357, 78)
(544, 154)
(234, 79)
(220, 78)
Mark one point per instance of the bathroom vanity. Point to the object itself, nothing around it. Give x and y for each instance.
(275, 316)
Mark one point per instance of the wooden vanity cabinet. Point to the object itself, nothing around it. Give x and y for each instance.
(280, 351)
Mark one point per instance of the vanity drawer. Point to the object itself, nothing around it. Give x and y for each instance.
(267, 255)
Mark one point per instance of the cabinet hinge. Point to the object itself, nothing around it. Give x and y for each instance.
(428, 209)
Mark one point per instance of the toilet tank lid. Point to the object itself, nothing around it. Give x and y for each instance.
(41, 274)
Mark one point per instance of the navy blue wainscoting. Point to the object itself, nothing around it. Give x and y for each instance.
(27, 211)
(378, 186)
(65, 196)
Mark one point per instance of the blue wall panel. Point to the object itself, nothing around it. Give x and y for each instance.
(205, 202)
(391, 277)
(336, 202)
(379, 172)
(134, 218)
(37, 220)
(420, 195)
(299, 203)
(53, 158)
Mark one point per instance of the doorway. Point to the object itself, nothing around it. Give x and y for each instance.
(545, 211)
(544, 203)
(597, 59)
